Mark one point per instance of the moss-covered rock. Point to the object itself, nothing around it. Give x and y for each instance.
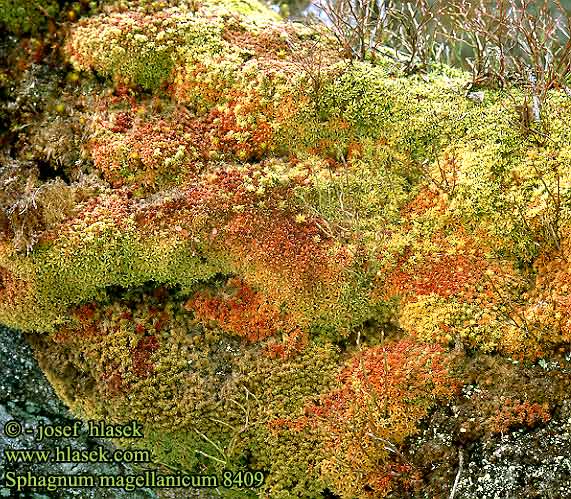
(240, 213)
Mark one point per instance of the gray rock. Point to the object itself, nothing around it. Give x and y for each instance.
(27, 397)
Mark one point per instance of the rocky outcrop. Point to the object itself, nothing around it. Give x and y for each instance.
(27, 397)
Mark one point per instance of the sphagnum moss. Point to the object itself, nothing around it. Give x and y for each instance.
(250, 221)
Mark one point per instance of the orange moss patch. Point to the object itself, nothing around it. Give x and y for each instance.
(243, 127)
(191, 84)
(267, 43)
(286, 259)
(549, 302)
(12, 289)
(515, 413)
(293, 342)
(453, 271)
(238, 309)
(275, 240)
(385, 391)
(112, 380)
(140, 355)
(129, 150)
(441, 274)
(425, 200)
(132, 150)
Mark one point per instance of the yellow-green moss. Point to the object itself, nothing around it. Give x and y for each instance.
(26, 16)
(349, 197)
(210, 401)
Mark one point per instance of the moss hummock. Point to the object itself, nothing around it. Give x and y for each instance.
(248, 239)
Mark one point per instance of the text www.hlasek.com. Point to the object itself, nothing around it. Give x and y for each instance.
(68, 455)
(19, 481)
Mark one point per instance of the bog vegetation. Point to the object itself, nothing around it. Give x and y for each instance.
(286, 246)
